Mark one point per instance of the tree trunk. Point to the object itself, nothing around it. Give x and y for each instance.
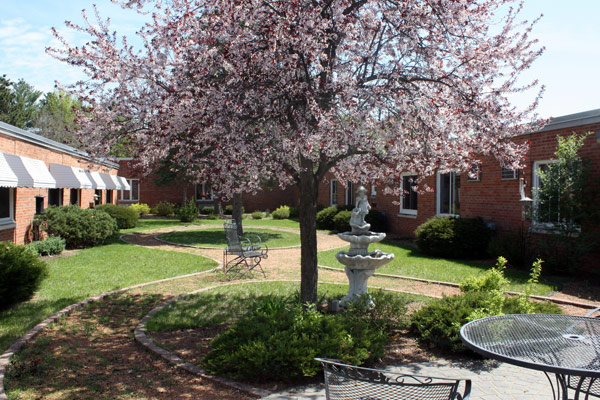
(308, 236)
(236, 213)
(184, 193)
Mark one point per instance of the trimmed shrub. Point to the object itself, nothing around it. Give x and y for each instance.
(126, 217)
(188, 212)
(207, 210)
(454, 238)
(277, 339)
(78, 227)
(141, 208)
(51, 246)
(164, 209)
(282, 212)
(325, 218)
(257, 215)
(212, 216)
(229, 210)
(294, 212)
(377, 219)
(341, 221)
(21, 273)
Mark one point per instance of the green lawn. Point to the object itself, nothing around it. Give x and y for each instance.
(216, 237)
(145, 224)
(409, 261)
(226, 303)
(91, 272)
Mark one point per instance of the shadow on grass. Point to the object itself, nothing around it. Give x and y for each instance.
(216, 238)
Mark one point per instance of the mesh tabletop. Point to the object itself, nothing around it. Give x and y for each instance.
(563, 344)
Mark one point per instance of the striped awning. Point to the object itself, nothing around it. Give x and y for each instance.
(111, 184)
(124, 183)
(69, 177)
(30, 172)
(96, 179)
(7, 177)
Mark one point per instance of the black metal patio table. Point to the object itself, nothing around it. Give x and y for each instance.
(565, 346)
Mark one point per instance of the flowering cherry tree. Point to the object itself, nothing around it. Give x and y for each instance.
(291, 89)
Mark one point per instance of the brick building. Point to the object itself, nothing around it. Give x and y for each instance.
(145, 190)
(493, 195)
(36, 172)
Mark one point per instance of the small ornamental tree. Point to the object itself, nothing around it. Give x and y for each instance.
(247, 90)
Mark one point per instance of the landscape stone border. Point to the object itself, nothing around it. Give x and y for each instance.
(33, 332)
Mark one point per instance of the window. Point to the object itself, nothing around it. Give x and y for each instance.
(474, 174)
(130, 195)
(349, 193)
(109, 197)
(333, 192)
(204, 192)
(550, 212)
(75, 197)
(7, 208)
(39, 204)
(373, 190)
(97, 197)
(55, 197)
(448, 194)
(508, 173)
(408, 202)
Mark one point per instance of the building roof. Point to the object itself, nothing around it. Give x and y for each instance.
(26, 136)
(573, 120)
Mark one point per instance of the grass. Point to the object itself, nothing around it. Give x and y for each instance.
(409, 261)
(91, 272)
(216, 237)
(145, 224)
(226, 303)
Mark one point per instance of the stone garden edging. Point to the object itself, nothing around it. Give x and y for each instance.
(33, 332)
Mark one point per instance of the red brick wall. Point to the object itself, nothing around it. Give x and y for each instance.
(24, 204)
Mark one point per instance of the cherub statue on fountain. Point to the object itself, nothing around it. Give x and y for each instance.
(360, 211)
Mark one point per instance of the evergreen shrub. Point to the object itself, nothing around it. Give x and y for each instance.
(51, 246)
(282, 212)
(294, 212)
(188, 212)
(454, 237)
(229, 210)
(257, 215)
(141, 208)
(21, 273)
(78, 227)
(341, 221)
(378, 221)
(325, 218)
(126, 216)
(207, 210)
(165, 209)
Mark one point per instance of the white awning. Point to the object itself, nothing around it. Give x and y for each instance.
(97, 182)
(124, 183)
(7, 177)
(69, 177)
(30, 172)
(108, 181)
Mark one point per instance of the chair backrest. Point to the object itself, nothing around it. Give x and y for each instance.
(591, 313)
(350, 382)
(233, 240)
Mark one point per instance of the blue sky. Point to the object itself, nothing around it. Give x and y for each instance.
(569, 68)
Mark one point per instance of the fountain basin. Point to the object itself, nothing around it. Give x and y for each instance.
(372, 260)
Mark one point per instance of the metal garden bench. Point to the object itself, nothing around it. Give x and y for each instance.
(348, 382)
(242, 254)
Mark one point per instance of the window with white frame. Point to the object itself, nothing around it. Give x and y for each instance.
(474, 174)
(349, 193)
(550, 212)
(448, 194)
(130, 195)
(7, 207)
(204, 192)
(508, 173)
(373, 190)
(408, 202)
(333, 192)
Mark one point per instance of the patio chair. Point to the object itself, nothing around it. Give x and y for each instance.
(242, 254)
(346, 382)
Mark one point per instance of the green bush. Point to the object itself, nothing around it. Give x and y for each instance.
(325, 218)
(257, 215)
(453, 238)
(378, 221)
(164, 209)
(141, 208)
(294, 212)
(516, 247)
(341, 221)
(188, 212)
(282, 212)
(78, 227)
(51, 246)
(126, 217)
(212, 216)
(229, 210)
(207, 210)
(277, 339)
(21, 273)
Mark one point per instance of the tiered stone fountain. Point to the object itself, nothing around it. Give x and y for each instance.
(360, 263)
